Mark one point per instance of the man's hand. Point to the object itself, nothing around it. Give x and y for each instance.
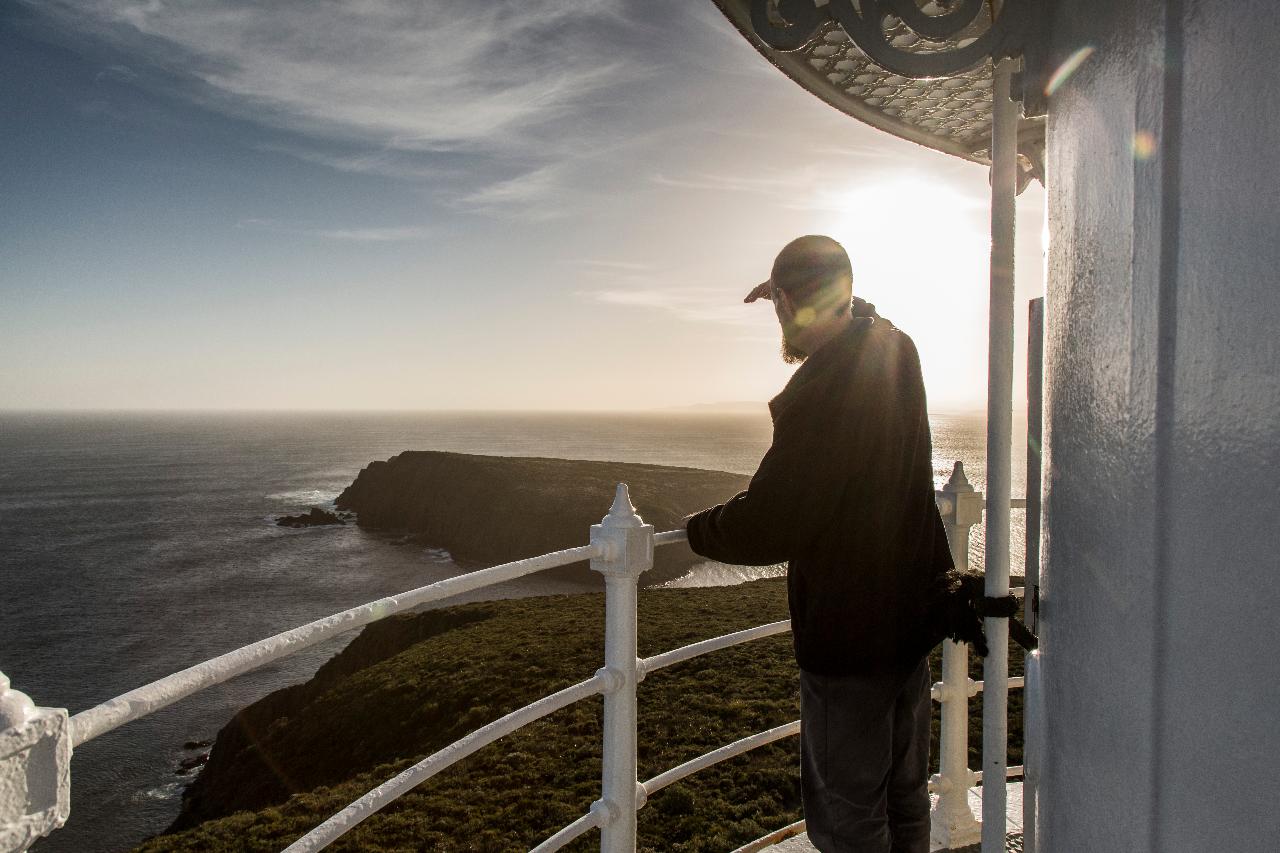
(760, 291)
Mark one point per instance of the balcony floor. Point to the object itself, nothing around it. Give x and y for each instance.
(1013, 840)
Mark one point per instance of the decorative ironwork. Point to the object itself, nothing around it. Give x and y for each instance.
(901, 36)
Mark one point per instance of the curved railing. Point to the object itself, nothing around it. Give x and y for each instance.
(165, 691)
(621, 548)
(388, 792)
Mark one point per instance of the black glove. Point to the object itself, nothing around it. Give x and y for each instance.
(962, 595)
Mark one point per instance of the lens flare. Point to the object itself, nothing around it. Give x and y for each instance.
(1067, 68)
(1144, 145)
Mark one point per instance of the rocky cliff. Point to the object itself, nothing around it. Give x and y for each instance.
(493, 509)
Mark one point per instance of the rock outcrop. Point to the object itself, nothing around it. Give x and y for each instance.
(315, 518)
(488, 510)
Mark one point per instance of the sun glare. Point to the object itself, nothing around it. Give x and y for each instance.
(921, 251)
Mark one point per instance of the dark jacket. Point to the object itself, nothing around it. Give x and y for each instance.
(845, 494)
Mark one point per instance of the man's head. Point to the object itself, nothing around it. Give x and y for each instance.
(810, 285)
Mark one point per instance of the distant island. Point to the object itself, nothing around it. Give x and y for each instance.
(487, 510)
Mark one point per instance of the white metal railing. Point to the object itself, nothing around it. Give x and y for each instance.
(715, 756)
(35, 743)
(344, 821)
(152, 697)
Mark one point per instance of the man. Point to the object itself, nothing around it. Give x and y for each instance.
(845, 494)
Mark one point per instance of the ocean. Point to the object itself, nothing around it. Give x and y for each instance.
(134, 545)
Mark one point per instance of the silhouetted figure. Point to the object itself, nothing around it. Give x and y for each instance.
(845, 495)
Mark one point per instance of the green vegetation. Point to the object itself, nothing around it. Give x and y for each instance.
(413, 684)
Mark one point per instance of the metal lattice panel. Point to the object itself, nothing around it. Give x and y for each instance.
(958, 108)
(948, 113)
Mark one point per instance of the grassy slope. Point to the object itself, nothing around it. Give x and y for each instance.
(380, 719)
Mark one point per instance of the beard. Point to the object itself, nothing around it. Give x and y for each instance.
(792, 354)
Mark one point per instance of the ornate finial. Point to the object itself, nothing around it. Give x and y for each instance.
(622, 501)
(622, 513)
(958, 482)
(16, 707)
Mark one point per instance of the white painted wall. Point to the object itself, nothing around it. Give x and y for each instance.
(1161, 583)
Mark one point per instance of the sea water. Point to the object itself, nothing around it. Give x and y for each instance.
(134, 545)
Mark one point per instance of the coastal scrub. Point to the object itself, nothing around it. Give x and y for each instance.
(411, 685)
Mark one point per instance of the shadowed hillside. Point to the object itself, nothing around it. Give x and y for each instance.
(412, 684)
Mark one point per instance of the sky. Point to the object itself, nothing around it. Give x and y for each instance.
(376, 204)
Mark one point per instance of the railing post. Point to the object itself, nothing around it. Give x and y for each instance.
(35, 769)
(626, 544)
(952, 824)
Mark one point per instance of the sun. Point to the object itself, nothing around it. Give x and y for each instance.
(920, 250)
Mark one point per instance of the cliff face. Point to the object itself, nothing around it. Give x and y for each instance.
(494, 509)
(246, 765)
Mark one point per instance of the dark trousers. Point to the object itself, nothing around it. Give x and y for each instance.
(864, 761)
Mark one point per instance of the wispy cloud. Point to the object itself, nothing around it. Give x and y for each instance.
(815, 188)
(503, 107)
(692, 304)
(439, 76)
(381, 161)
(809, 187)
(117, 73)
(609, 266)
(390, 234)
(791, 183)
(536, 194)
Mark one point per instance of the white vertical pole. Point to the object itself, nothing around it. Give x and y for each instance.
(995, 692)
(952, 824)
(627, 551)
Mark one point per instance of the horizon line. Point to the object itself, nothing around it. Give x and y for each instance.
(692, 408)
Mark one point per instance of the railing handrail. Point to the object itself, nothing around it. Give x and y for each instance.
(385, 794)
(162, 692)
(702, 647)
(149, 698)
(388, 792)
(589, 821)
(937, 691)
(621, 549)
(670, 537)
(715, 756)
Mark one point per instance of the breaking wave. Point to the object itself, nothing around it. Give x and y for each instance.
(306, 496)
(712, 573)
